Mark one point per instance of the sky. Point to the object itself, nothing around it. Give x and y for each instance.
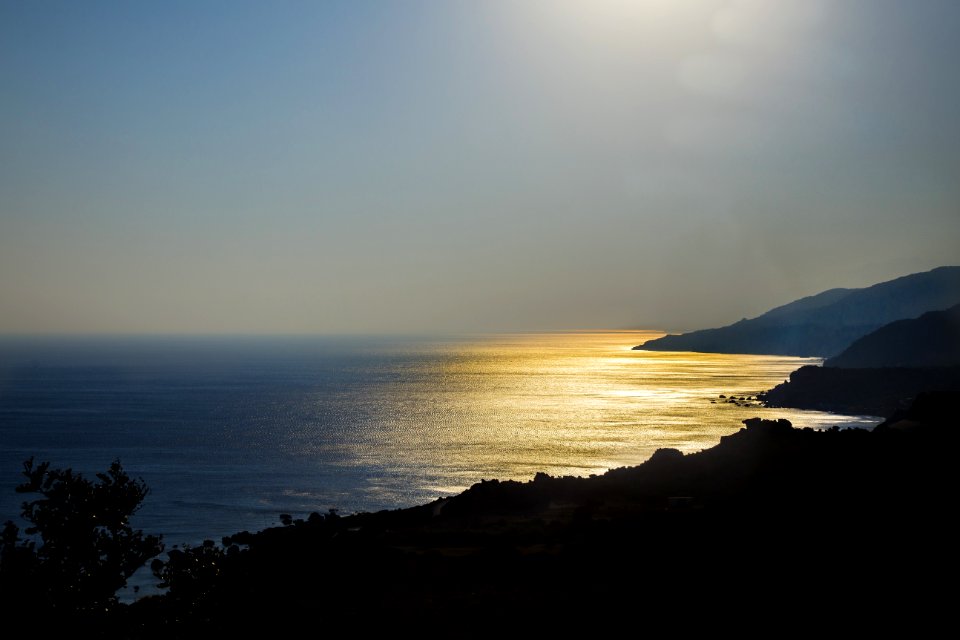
(461, 166)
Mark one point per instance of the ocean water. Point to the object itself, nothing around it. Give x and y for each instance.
(229, 432)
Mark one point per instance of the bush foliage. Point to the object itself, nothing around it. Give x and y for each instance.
(79, 548)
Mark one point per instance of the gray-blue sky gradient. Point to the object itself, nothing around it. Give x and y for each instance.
(460, 166)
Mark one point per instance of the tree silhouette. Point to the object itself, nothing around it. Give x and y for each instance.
(79, 548)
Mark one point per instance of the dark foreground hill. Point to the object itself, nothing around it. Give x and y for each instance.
(825, 324)
(932, 340)
(774, 525)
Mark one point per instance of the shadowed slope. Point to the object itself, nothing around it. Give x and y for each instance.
(932, 340)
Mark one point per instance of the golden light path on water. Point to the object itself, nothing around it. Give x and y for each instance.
(509, 406)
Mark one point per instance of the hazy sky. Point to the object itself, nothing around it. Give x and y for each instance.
(475, 165)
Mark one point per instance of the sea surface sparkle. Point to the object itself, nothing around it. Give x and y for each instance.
(229, 432)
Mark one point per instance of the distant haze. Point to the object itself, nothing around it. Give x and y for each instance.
(467, 166)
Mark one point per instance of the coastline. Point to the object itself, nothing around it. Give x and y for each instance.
(768, 509)
(230, 433)
(516, 547)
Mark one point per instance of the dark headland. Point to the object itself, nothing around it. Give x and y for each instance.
(883, 345)
(881, 372)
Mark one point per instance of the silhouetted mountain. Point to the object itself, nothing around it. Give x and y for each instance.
(826, 323)
(932, 340)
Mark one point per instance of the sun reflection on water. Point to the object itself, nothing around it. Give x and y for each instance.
(579, 403)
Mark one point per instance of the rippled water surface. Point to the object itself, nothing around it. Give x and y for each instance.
(230, 432)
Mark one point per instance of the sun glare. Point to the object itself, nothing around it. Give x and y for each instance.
(637, 18)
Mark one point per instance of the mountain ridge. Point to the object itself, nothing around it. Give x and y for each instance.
(824, 324)
(932, 340)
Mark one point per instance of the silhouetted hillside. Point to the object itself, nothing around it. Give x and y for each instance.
(825, 324)
(932, 340)
(760, 522)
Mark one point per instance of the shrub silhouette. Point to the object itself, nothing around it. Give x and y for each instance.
(193, 576)
(79, 548)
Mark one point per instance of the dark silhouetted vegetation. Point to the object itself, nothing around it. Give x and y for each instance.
(78, 549)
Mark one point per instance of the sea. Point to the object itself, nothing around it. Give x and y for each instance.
(230, 432)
